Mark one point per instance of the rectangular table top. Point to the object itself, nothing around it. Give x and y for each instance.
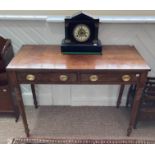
(114, 57)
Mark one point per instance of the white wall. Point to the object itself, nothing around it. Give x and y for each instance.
(70, 12)
(41, 32)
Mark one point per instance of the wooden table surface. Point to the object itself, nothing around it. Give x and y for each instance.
(114, 57)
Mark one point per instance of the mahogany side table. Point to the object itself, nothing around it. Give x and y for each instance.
(45, 64)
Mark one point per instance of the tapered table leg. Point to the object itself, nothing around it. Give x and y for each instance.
(34, 96)
(120, 95)
(22, 109)
(14, 85)
(136, 102)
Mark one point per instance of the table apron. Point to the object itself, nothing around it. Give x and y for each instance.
(64, 77)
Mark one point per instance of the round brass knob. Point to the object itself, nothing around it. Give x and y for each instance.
(63, 77)
(4, 90)
(93, 78)
(30, 77)
(126, 78)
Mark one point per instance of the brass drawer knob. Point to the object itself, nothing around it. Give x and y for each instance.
(63, 77)
(126, 78)
(4, 90)
(93, 78)
(30, 77)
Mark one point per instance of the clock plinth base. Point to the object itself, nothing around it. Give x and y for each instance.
(82, 53)
(82, 49)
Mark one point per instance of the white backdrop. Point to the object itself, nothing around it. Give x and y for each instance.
(42, 32)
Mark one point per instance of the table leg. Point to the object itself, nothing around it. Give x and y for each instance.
(16, 86)
(120, 95)
(136, 102)
(17, 114)
(34, 96)
(22, 109)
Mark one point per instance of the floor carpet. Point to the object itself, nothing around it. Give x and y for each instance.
(78, 141)
(60, 122)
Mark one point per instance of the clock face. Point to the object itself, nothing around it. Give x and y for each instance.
(81, 33)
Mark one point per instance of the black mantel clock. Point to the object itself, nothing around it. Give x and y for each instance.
(81, 35)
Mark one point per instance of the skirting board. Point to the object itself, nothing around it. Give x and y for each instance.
(45, 100)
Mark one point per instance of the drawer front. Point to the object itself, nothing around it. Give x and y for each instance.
(3, 79)
(2, 66)
(5, 99)
(108, 77)
(61, 77)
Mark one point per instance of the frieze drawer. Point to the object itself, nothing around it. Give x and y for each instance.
(5, 99)
(108, 77)
(3, 78)
(44, 77)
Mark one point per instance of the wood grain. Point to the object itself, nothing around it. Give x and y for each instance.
(49, 57)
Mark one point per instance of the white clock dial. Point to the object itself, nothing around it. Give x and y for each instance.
(81, 33)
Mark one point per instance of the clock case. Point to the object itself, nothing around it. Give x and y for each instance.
(71, 46)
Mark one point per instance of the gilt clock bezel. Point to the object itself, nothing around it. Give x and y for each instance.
(70, 28)
(85, 35)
